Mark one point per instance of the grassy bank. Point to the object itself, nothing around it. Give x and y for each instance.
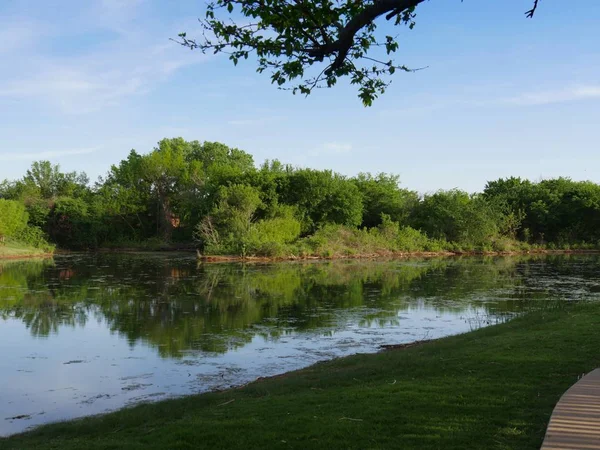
(12, 249)
(494, 388)
(342, 242)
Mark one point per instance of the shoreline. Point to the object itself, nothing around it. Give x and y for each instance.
(385, 255)
(268, 259)
(26, 256)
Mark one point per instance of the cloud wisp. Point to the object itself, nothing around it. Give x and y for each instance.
(569, 94)
(129, 61)
(332, 148)
(36, 156)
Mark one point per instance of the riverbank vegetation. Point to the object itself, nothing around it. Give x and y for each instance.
(213, 197)
(17, 237)
(494, 388)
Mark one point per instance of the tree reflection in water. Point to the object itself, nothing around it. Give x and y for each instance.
(175, 305)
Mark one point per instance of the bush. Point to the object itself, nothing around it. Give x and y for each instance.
(227, 228)
(281, 230)
(35, 237)
(411, 240)
(269, 237)
(13, 218)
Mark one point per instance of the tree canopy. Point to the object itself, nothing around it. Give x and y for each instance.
(288, 37)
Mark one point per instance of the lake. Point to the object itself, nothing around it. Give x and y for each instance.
(85, 334)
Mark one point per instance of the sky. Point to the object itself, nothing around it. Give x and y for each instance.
(83, 83)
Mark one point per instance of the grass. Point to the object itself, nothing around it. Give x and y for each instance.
(493, 388)
(14, 249)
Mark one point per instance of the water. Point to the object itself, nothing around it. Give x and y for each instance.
(86, 334)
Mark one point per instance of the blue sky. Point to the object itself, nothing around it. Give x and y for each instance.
(82, 83)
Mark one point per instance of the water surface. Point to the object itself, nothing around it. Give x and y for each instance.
(85, 334)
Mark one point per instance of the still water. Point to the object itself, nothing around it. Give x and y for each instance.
(86, 334)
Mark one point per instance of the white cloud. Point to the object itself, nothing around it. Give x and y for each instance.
(568, 94)
(74, 90)
(331, 148)
(132, 61)
(426, 105)
(32, 156)
(82, 86)
(255, 121)
(336, 147)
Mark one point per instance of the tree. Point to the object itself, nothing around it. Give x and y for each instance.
(125, 196)
(382, 196)
(51, 182)
(166, 171)
(458, 217)
(228, 225)
(40, 189)
(210, 166)
(72, 223)
(322, 197)
(559, 210)
(288, 37)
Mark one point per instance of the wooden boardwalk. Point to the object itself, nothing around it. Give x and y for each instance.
(575, 422)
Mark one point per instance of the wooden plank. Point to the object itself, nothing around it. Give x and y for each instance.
(575, 421)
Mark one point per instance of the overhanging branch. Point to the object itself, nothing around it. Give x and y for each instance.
(342, 45)
(529, 14)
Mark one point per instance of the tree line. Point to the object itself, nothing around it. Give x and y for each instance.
(213, 197)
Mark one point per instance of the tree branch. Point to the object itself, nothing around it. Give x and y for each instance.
(529, 14)
(346, 37)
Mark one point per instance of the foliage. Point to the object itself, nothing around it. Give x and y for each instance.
(232, 226)
(228, 225)
(410, 240)
(13, 224)
(51, 182)
(315, 42)
(185, 193)
(70, 223)
(13, 218)
(270, 237)
(458, 217)
(558, 211)
(382, 195)
(322, 197)
(35, 237)
(386, 239)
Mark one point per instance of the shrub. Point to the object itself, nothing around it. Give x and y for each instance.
(411, 240)
(35, 237)
(281, 230)
(13, 218)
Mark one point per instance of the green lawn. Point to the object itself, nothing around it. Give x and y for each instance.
(494, 388)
